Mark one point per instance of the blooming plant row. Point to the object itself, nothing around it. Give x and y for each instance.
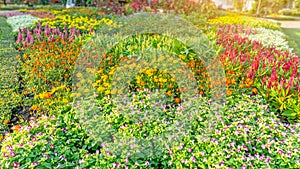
(270, 38)
(274, 72)
(245, 21)
(262, 84)
(60, 142)
(82, 23)
(21, 21)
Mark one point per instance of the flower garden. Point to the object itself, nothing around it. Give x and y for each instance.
(57, 87)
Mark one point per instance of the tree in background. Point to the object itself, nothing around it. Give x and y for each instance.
(264, 7)
(239, 4)
(296, 4)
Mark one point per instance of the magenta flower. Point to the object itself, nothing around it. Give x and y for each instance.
(268, 159)
(35, 163)
(280, 152)
(12, 154)
(147, 163)
(15, 164)
(5, 155)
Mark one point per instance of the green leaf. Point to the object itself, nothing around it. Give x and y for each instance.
(288, 113)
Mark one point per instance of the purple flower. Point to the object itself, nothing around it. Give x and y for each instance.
(15, 164)
(12, 154)
(280, 152)
(20, 37)
(268, 159)
(193, 159)
(190, 150)
(5, 155)
(245, 148)
(35, 163)
(147, 163)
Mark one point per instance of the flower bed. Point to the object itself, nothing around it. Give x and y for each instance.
(275, 73)
(270, 38)
(245, 21)
(257, 128)
(251, 136)
(21, 21)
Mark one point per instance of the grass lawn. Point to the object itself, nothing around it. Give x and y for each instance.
(294, 38)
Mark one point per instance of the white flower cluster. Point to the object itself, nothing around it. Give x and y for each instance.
(21, 21)
(270, 38)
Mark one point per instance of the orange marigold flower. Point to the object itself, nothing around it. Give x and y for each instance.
(229, 92)
(254, 91)
(6, 121)
(16, 128)
(35, 107)
(177, 100)
(25, 92)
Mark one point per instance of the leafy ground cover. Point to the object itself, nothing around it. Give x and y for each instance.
(9, 75)
(259, 122)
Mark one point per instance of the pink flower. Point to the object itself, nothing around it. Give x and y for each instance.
(268, 159)
(147, 163)
(12, 154)
(5, 155)
(15, 164)
(193, 159)
(35, 163)
(280, 152)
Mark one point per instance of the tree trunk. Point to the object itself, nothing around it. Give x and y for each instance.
(258, 7)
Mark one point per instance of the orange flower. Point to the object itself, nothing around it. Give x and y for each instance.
(169, 93)
(25, 92)
(16, 128)
(177, 100)
(254, 91)
(228, 81)
(35, 107)
(229, 92)
(6, 121)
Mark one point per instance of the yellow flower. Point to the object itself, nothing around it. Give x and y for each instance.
(107, 92)
(79, 75)
(6, 121)
(101, 89)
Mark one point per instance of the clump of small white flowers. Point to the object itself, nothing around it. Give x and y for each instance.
(21, 21)
(270, 38)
